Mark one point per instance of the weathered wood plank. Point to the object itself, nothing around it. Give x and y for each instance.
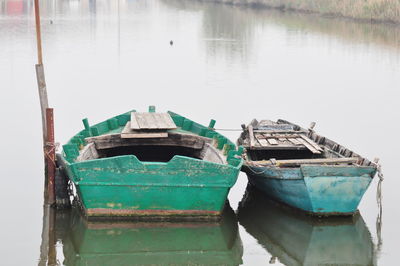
(306, 161)
(276, 147)
(89, 152)
(144, 135)
(169, 122)
(294, 141)
(173, 139)
(160, 121)
(134, 123)
(309, 146)
(142, 121)
(272, 141)
(279, 136)
(263, 142)
(127, 133)
(251, 136)
(277, 131)
(315, 145)
(151, 121)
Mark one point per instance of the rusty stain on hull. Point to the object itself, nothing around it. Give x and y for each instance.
(122, 212)
(161, 215)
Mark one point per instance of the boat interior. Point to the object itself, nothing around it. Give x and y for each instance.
(152, 149)
(287, 144)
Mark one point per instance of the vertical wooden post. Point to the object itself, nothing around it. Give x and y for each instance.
(38, 33)
(44, 103)
(50, 156)
(47, 117)
(40, 71)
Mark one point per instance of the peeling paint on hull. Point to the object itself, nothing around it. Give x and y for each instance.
(124, 186)
(317, 190)
(99, 212)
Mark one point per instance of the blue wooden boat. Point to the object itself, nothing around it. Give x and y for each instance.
(299, 168)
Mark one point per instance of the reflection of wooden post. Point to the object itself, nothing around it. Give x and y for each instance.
(48, 254)
(50, 156)
(52, 252)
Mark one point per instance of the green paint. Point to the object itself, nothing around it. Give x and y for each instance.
(187, 124)
(86, 125)
(124, 183)
(212, 123)
(152, 109)
(153, 243)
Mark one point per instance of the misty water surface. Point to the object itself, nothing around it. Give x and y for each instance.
(229, 63)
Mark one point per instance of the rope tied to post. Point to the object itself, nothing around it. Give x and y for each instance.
(51, 148)
(379, 198)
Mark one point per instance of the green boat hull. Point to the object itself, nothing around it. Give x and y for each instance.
(124, 186)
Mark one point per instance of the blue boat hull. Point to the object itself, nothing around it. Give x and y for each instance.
(319, 190)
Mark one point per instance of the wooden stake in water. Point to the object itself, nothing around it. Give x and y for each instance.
(47, 116)
(40, 72)
(38, 33)
(50, 151)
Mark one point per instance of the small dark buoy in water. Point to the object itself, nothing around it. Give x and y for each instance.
(171, 42)
(51, 22)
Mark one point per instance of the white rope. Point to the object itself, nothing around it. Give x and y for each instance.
(379, 198)
(228, 129)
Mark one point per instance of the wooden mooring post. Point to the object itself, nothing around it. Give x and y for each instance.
(47, 118)
(50, 152)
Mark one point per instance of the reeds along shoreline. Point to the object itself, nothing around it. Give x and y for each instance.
(368, 10)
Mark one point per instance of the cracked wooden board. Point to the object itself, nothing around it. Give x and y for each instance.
(140, 121)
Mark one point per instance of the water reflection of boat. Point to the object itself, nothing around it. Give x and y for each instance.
(152, 243)
(297, 239)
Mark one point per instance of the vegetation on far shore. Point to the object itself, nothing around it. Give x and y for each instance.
(374, 10)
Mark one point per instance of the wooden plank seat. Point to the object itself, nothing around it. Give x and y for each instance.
(173, 139)
(148, 125)
(151, 121)
(282, 141)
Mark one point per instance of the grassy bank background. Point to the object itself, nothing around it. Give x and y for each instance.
(376, 10)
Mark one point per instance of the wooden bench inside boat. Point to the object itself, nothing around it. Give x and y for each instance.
(280, 143)
(151, 137)
(269, 135)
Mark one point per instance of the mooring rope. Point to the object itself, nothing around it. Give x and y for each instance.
(379, 198)
(51, 147)
(228, 129)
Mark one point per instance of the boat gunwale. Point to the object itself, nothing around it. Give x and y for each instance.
(229, 151)
(331, 146)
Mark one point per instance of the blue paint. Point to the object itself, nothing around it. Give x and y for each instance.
(301, 240)
(321, 190)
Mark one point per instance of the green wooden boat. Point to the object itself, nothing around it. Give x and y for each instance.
(144, 165)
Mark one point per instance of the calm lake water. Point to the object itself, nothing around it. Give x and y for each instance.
(229, 63)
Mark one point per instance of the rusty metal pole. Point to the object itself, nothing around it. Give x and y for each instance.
(50, 152)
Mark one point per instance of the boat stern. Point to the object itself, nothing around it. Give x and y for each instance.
(336, 190)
